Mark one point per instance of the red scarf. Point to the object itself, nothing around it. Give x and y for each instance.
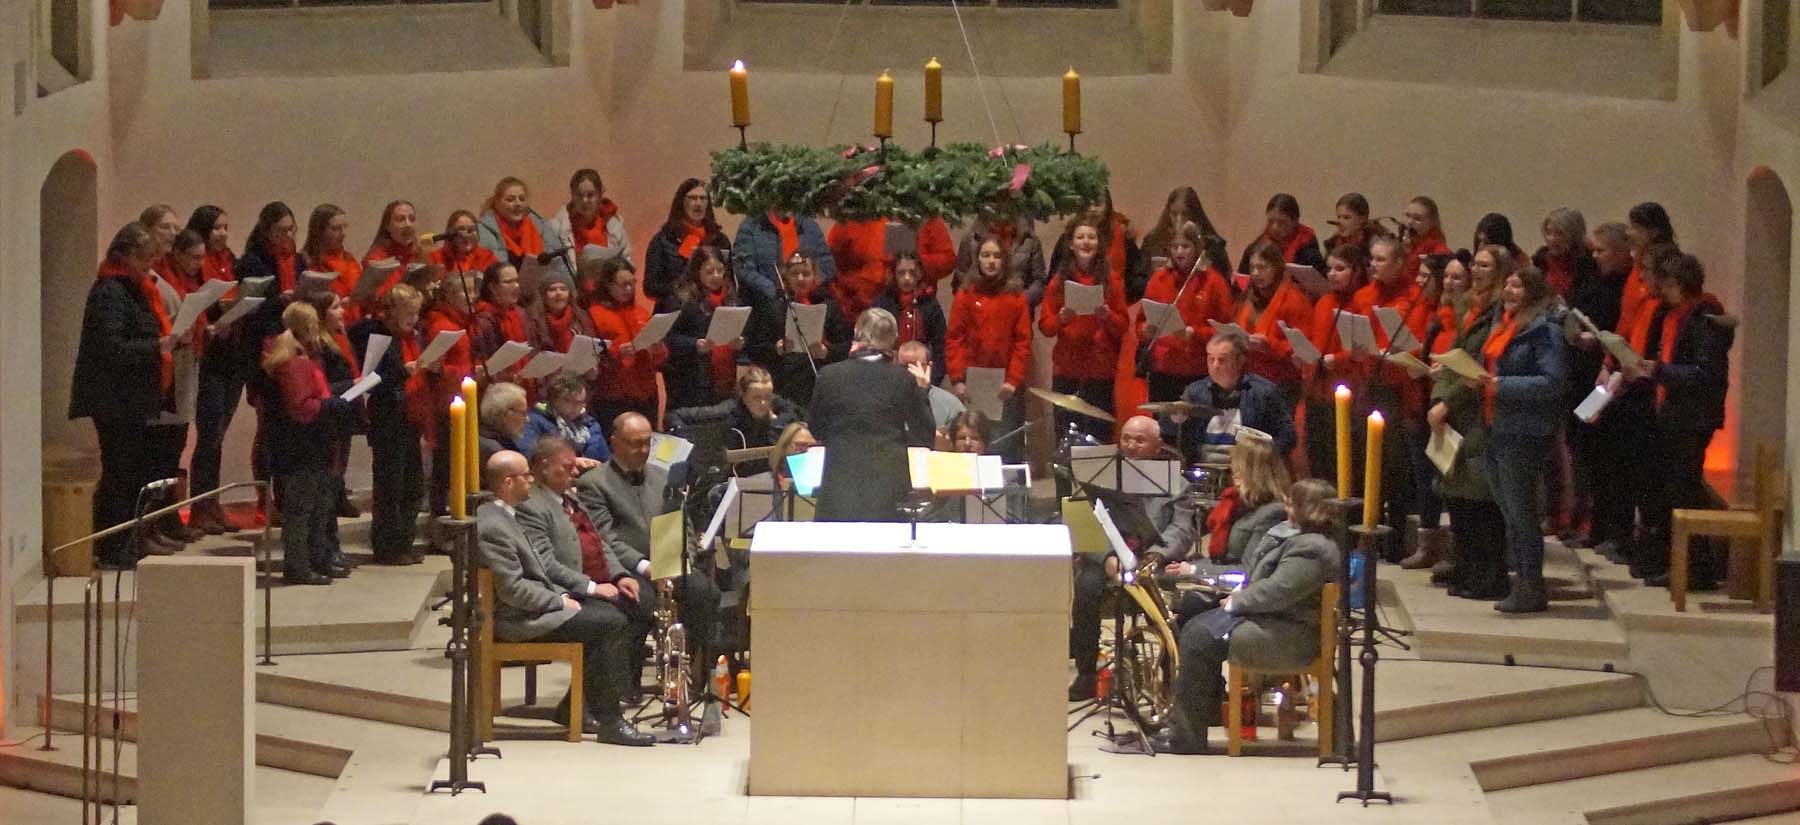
(561, 336)
(593, 232)
(343, 344)
(521, 236)
(1671, 327)
(1490, 356)
(1218, 522)
(693, 236)
(220, 265)
(511, 320)
(1004, 234)
(287, 267)
(1303, 235)
(912, 328)
(790, 235)
(723, 354)
(152, 296)
(1557, 272)
(714, 300)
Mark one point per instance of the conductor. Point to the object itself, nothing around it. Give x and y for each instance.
(867, 410)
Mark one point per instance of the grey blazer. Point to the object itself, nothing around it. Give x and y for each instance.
(1248, 531)
(553, 538)
(527, 604)
(622, 511)
(1279, 602)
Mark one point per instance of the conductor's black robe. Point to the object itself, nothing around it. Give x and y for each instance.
(866, 411)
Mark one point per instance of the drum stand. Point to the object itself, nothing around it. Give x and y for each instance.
(1135, 740)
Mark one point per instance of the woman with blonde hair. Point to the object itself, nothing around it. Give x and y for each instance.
(511, 229)
(301, 420)
(1251, 505)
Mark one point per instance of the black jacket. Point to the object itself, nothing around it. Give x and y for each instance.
(744, 430)
(867, 411)
(1597, 296)
(1695, 376)
(387, 401)
(933, 322)
(118, 363)
(687, 375)
(793, 371)
(663, 263)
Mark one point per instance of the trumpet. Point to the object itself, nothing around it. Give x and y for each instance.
(673, 660)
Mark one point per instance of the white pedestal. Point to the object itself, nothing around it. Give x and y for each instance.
(196, 737)
(883, 669)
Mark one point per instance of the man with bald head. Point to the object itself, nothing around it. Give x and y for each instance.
(620, 497)
(531, 606)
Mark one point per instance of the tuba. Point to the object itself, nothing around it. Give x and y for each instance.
(672, 660)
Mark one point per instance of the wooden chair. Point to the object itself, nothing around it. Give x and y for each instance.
(1757, 529)
(1321, 669)
(493, 655)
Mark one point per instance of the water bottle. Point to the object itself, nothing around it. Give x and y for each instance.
(1357, 581)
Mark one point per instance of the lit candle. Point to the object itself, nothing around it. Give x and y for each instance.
(934, 91)
(1072, 102)
(740, 94)
(1343, 441)
(884, 105)
(1372, 473)
(458, 445)
(472, 436)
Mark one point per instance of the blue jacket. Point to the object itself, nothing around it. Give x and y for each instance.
(756, 254)
(1259, 407)
(1530, 375)
(542, 422)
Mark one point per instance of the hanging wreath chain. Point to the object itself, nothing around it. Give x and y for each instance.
(851, 183)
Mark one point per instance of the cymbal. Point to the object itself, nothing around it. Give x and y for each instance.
(1072, 403)
(1172, 408)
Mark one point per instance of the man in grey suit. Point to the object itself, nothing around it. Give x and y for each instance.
(621, 497)
(539, 600)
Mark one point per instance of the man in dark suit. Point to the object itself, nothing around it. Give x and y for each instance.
(1235, 399)
(534, 603)
(866, 411)
(621, 497)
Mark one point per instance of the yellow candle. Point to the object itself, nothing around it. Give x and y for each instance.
(459, 443)
(1072, 102)
(884, 105)
(740, 94)
(1372, 473)
(1343, 441)
(934, 91)
(472, 434)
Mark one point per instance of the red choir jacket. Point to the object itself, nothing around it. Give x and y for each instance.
(1203, 301)
(1276, 361)
(990, 330)
(1088, 346)
(633, 377)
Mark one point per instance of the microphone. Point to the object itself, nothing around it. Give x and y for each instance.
(544, 258)
(161, 485)
(433, 237)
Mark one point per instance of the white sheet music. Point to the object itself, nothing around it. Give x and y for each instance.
(727, 325)
(983, 385)
(1147, 477)
(1618, 348)
(312, 281)
(256, 286)
(718, 518)
(1304, 351)
(584, 354)
(1308, 279)
(375, 351)
(1083, 299)
(1460, 363)
(373, 276)
(508, 354)
(1595, 403)
(1161, 319)
(1400, 337)
(805, 326)
(440, 344)
(1357, 334)
(543, 364)
(243, 307)
(1441, 448)
(362, 385)
(199, 301)
(1127, 559)
(655, 330)
(1227, 326)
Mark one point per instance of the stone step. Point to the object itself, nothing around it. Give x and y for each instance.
(1422, 698)
(301, 753)
(281, 796)
(1708, 790)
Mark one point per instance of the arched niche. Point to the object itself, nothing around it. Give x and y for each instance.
(68, 255)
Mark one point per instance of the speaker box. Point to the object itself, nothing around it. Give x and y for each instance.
(1787, 623)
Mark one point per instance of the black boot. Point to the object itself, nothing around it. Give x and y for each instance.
(1184, 735)
(1527, 596)
(1085, 687)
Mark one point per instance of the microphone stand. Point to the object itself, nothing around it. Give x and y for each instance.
(787, 304)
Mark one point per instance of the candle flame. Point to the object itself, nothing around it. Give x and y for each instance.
(1343, 390)
(737, 65)
(1375, 417)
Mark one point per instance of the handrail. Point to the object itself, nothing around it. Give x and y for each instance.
(93, 580)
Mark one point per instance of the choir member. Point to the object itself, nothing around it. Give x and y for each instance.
(326, 230)
(590, 218)
(1494, 228)
(627, 380)
(1392, 392)
(498, 318)
(700, 371)
(1346, 270)
(1596, 455)
(221, 381)
(169, 430)
(1647, 227)
(341, 371)
(270, 250)
(1566, 263)
(1273, 299)
(124, 375)
(766, 242)
(301, 421)
(1476, 567)
(1564, 257)
(1423, 231)
(452, 310)
(553, 321)
(1294, 241)
(1086, 353)
(564, 412)
(1527, 362)
(689, 226)
(795, 370)
(400, 410)
(1685, 362)
(990, 326)
(214, 226)
(163, 225)
(461, 250)
(1352, 222)
(862, 255)
(909, 299)
(511, 229)
(396, 239)
(1181, 207)
(1190, 280)
(1118, 244)
(1021, 255)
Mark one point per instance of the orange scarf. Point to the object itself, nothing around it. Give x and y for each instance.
(1490, 353)
(559, 326)
(594, 231)
(694, 235)
(790, 236)
(343, 344)
(521, 237)
(1671, 327)
(152, 297)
